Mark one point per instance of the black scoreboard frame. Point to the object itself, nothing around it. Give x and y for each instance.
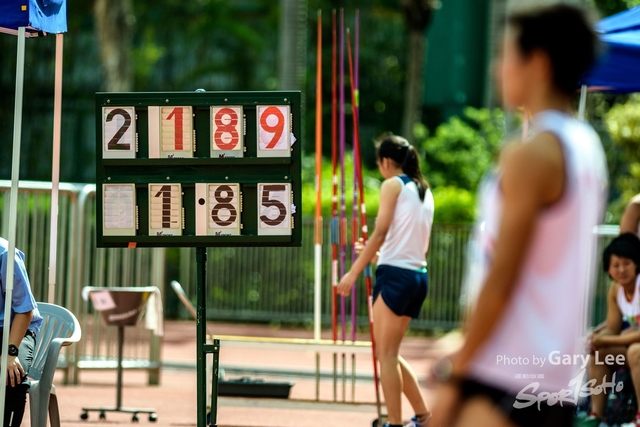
(248, 171)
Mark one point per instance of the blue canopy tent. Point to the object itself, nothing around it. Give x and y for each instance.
(38, 17)
(31, 18)
(617, 70)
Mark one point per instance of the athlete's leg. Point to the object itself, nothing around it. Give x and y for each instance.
(410, 386)
(633, 361)
(388, 330)
(598, 372)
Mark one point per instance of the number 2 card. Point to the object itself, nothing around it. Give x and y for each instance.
(118, 133)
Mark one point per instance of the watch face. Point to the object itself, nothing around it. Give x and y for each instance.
(13, 350)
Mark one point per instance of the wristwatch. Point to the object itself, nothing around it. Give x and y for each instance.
(13, 350)
(443, 371)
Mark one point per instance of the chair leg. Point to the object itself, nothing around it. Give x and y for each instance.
(54, 412)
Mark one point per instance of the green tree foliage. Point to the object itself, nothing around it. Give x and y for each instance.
(610, 7)
(623, 124)
(460, 150)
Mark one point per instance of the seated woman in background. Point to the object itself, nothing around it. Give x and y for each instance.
(620, 334)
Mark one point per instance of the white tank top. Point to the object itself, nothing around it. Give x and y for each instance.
(407, 239)
(547, 315)
(630, 309)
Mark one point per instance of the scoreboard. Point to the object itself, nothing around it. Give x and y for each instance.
(198, 169)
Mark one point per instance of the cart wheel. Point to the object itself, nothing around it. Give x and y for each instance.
(135, 418)
(84, 416)
(153, 417)
(103, 416)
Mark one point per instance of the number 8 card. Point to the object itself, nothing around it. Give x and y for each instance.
(227, 131)
(218, 209)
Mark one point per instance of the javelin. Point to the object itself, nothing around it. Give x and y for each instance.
(365, 232)
(334, 202)
(318, 225)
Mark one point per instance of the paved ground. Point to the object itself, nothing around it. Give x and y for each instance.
(175, 397)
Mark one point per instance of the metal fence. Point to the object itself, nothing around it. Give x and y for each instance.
(243, 284)
(276, 284)
(79, 264)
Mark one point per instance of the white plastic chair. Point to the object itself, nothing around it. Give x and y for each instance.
(59, 328)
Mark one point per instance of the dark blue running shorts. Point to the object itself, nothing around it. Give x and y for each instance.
(402, 290)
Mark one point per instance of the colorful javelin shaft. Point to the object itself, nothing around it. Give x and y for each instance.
(317, 307)
(354, 210)
(354, 217)
(343, 207)
(343, 203)
(365, 233)
(334, 199)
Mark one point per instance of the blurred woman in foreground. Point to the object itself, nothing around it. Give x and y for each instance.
(534, 239)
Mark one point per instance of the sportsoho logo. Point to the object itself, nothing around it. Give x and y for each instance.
(576, 388)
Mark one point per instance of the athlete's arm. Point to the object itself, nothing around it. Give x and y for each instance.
(631, 216)
(389, 192)
(613, 323)
(532, 179)
(624, 339)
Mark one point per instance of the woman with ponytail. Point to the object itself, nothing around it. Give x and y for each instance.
(398, 245)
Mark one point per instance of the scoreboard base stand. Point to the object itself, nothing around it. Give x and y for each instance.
(153, 416)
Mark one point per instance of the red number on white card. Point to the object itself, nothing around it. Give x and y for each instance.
(176, 114)
(226, 136)
(276, 129)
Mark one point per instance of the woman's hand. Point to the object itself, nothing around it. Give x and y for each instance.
(359, 246)
(346, 283)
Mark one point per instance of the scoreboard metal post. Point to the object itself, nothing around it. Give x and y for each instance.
(199, 169)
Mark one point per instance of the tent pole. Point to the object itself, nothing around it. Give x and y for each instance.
(582, 106)
(13, 211)
(55, 168)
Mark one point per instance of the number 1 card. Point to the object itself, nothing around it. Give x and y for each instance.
(170, 132)
(165, 209)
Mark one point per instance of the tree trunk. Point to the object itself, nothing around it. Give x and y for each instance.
(114, 23)
(414, 86)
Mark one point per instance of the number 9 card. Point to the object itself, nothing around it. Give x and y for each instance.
(274, 131)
